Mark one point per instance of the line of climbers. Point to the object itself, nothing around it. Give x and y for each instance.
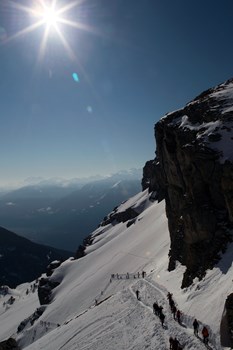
(158, 310)
(127, 275)
(174, 342)
(177, 316)
(205, 332)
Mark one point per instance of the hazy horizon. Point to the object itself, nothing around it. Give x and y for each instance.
(57, 180)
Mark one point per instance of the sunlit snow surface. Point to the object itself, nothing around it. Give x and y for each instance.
(120, 321)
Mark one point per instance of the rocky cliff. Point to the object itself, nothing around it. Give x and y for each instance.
(193, 171)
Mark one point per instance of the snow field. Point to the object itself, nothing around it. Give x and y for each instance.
(119, 321)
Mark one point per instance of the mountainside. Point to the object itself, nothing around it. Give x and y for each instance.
(91, 307)
(63, 216)
(22, 260)
(193, 171)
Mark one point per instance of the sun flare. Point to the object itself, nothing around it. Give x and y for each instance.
(52, 16)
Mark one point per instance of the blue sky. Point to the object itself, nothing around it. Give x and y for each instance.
(135, 61)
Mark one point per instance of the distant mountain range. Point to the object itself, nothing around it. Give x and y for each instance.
(22, 260)
(62, 214)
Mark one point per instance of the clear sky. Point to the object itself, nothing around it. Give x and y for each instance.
(81, 92)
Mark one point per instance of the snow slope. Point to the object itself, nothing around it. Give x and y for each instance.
(93, 310)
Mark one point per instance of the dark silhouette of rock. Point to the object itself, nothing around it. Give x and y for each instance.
(31, 319)
(52, 266)
(45, 290)
(80, 251)
(229, 316)
(153, 180)
(119, 216)
(9, 344)
(193, 171)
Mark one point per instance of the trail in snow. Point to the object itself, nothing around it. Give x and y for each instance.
(152, 292)
(161, 298)
(123, 322)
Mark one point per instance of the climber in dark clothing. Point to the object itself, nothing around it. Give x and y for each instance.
(162, 318)
(195, 327)
(178, 315)
(137, 294)
(171, 343)
(174, 311)
(155, 308)
(171, 303)
(175, 344)
(169, 296)
(160, 310)
(205, 335)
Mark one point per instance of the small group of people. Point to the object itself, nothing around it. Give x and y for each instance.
(158, 310)
(204, 332)
(175, 344)
(174, 310)
(127, 275)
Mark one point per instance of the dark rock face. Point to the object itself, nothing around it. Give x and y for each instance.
(80, 251)
(153, 179)
(149, 179)
(31, 319)
(9, 344)
(229, 315)
(193, 170)
(45, 290)
(52, 266)
(119, 216)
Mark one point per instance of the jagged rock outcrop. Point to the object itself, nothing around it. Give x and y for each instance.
(80, 252)
(9, 344)
(31, 319)
(45, 288)
(52, 266)
(193, 170)
(119, 216)
(153, 179)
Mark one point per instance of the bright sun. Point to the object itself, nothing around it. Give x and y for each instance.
(49, 14)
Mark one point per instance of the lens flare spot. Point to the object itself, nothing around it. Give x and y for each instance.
(89, 109)
(75, 77)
